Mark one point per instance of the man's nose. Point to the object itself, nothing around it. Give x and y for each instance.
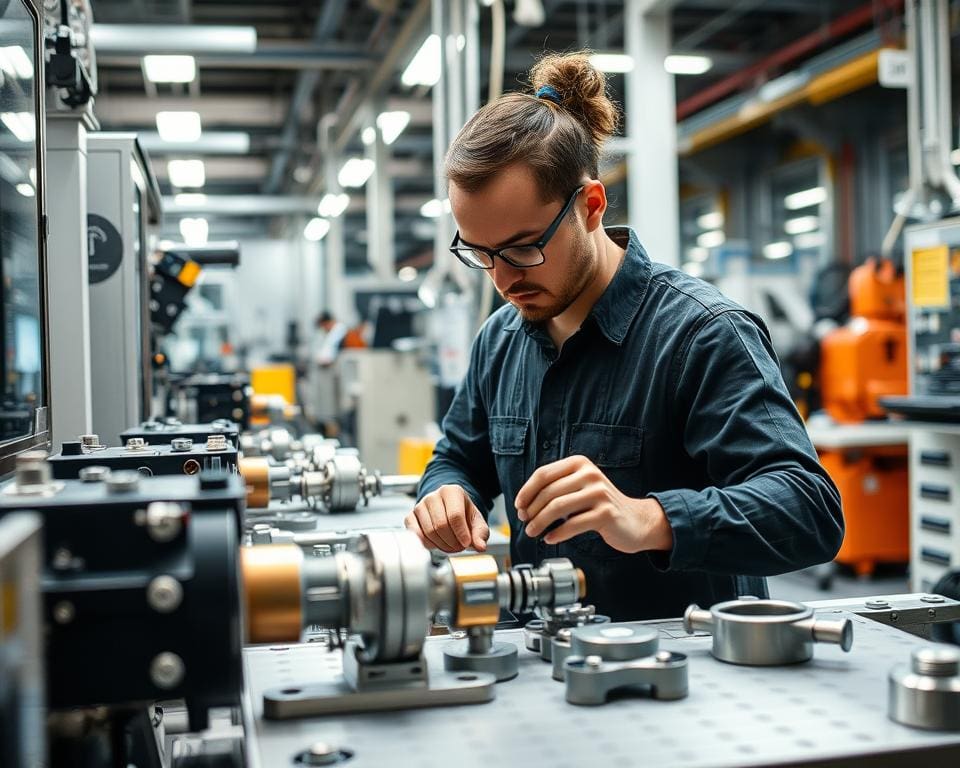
(504, 275)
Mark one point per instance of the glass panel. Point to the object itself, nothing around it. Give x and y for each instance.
(21, 375)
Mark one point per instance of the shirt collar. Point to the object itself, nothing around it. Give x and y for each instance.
(618, 305)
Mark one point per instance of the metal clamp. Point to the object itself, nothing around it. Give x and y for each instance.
(926, 694)
(538, 634)
(610, 657)
(766, 632)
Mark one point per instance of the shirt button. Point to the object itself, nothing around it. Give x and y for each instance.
(546, 445)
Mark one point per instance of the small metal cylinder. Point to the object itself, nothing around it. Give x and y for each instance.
(95, 474)
(181, 444)
(136, 444)
(926, 694)
(33, 473)
(123, 481)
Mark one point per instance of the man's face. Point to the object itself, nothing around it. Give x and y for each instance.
(509, 211)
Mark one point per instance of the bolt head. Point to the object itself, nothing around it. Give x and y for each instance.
(164, 594)
(64, 612)
(593, 662)
(166, 670)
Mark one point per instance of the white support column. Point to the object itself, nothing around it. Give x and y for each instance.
(381, 246)
(68, 294)
(338, 298)
(652, 194)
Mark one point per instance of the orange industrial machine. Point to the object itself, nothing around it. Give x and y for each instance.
(861, 362)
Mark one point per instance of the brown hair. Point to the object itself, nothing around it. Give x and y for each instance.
(558, 142)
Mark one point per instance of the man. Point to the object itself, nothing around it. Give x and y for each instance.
(634, 419)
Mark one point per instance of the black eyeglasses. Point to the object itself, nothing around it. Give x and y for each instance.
(519, 256)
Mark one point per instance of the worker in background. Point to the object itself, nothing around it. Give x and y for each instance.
(323, 386)
(634, 419)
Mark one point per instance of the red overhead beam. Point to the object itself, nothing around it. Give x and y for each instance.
(746, 77)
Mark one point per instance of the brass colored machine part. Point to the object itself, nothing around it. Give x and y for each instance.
(477, 603)
(272, 592)
(256, 477)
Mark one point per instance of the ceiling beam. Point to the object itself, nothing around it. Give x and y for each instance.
(214, 110)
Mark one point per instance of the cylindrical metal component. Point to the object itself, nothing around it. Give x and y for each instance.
(136, 444)
(695, 619)
(623, 641)
(554, 583)
(91, 442)
(217, 443)
(325, 593)
(480, 639)
(123, 481)
(256, 476)
(272, 592)
(403, 484)
(477, 596)
(95, 474)
(33, 473)
(926, 694)
(261, 533)
(344, 473)
(164, 520)
(766, 632)
(181, 444)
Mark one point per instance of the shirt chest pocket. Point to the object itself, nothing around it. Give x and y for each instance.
(617, 450)
(609, 446)
(508, 435)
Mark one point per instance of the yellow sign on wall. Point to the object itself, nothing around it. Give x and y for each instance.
(931, 281)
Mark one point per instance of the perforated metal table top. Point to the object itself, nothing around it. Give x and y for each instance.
(829, 711)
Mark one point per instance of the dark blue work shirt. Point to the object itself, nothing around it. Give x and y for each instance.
(675, 393)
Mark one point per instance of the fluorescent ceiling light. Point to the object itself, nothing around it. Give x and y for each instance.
(194, 231)
(170, 69)
(179, 126)
(810, 240)
(955, 157)
(712, 220)
(805, 198)
(316, 229)
(711, 239)
(612, 62)
(15, 62)
(186, 173)
(355, 172)
(407, 274)
(778, 250)
(697, 253)
(801, 224)
(25, 189)
(391, 125)
(368, 135)
(21, 125)
(332, 205)
(424, 67)
(693, 268)
(434, 208)
(190, 199)
(687, 65)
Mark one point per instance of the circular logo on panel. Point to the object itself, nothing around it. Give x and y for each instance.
(104, 248)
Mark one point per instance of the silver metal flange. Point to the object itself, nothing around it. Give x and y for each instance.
(480, 653)
(622, 655)
(766, 632)
(926, 693)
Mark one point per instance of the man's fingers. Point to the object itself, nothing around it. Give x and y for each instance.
(413, 525)
(543, 477)
(454, 500)
(479, 530)
(588, 521)
(563, 486)
(557, 509)
(426, 525)
(441, 527)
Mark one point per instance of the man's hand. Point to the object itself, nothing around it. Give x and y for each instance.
(448, 520)
(575, 492)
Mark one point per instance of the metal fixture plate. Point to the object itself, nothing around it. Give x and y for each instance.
(831, 709)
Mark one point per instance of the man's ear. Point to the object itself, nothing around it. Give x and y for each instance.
(595, 195)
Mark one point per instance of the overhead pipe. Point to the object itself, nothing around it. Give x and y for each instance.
(746, 77)
(172, 38)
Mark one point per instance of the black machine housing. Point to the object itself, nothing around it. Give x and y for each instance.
(165, 430)
(156, 459)
(100, 559)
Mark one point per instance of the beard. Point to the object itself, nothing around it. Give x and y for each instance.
(580, 271)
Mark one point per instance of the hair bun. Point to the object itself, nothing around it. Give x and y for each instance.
(582, 89)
